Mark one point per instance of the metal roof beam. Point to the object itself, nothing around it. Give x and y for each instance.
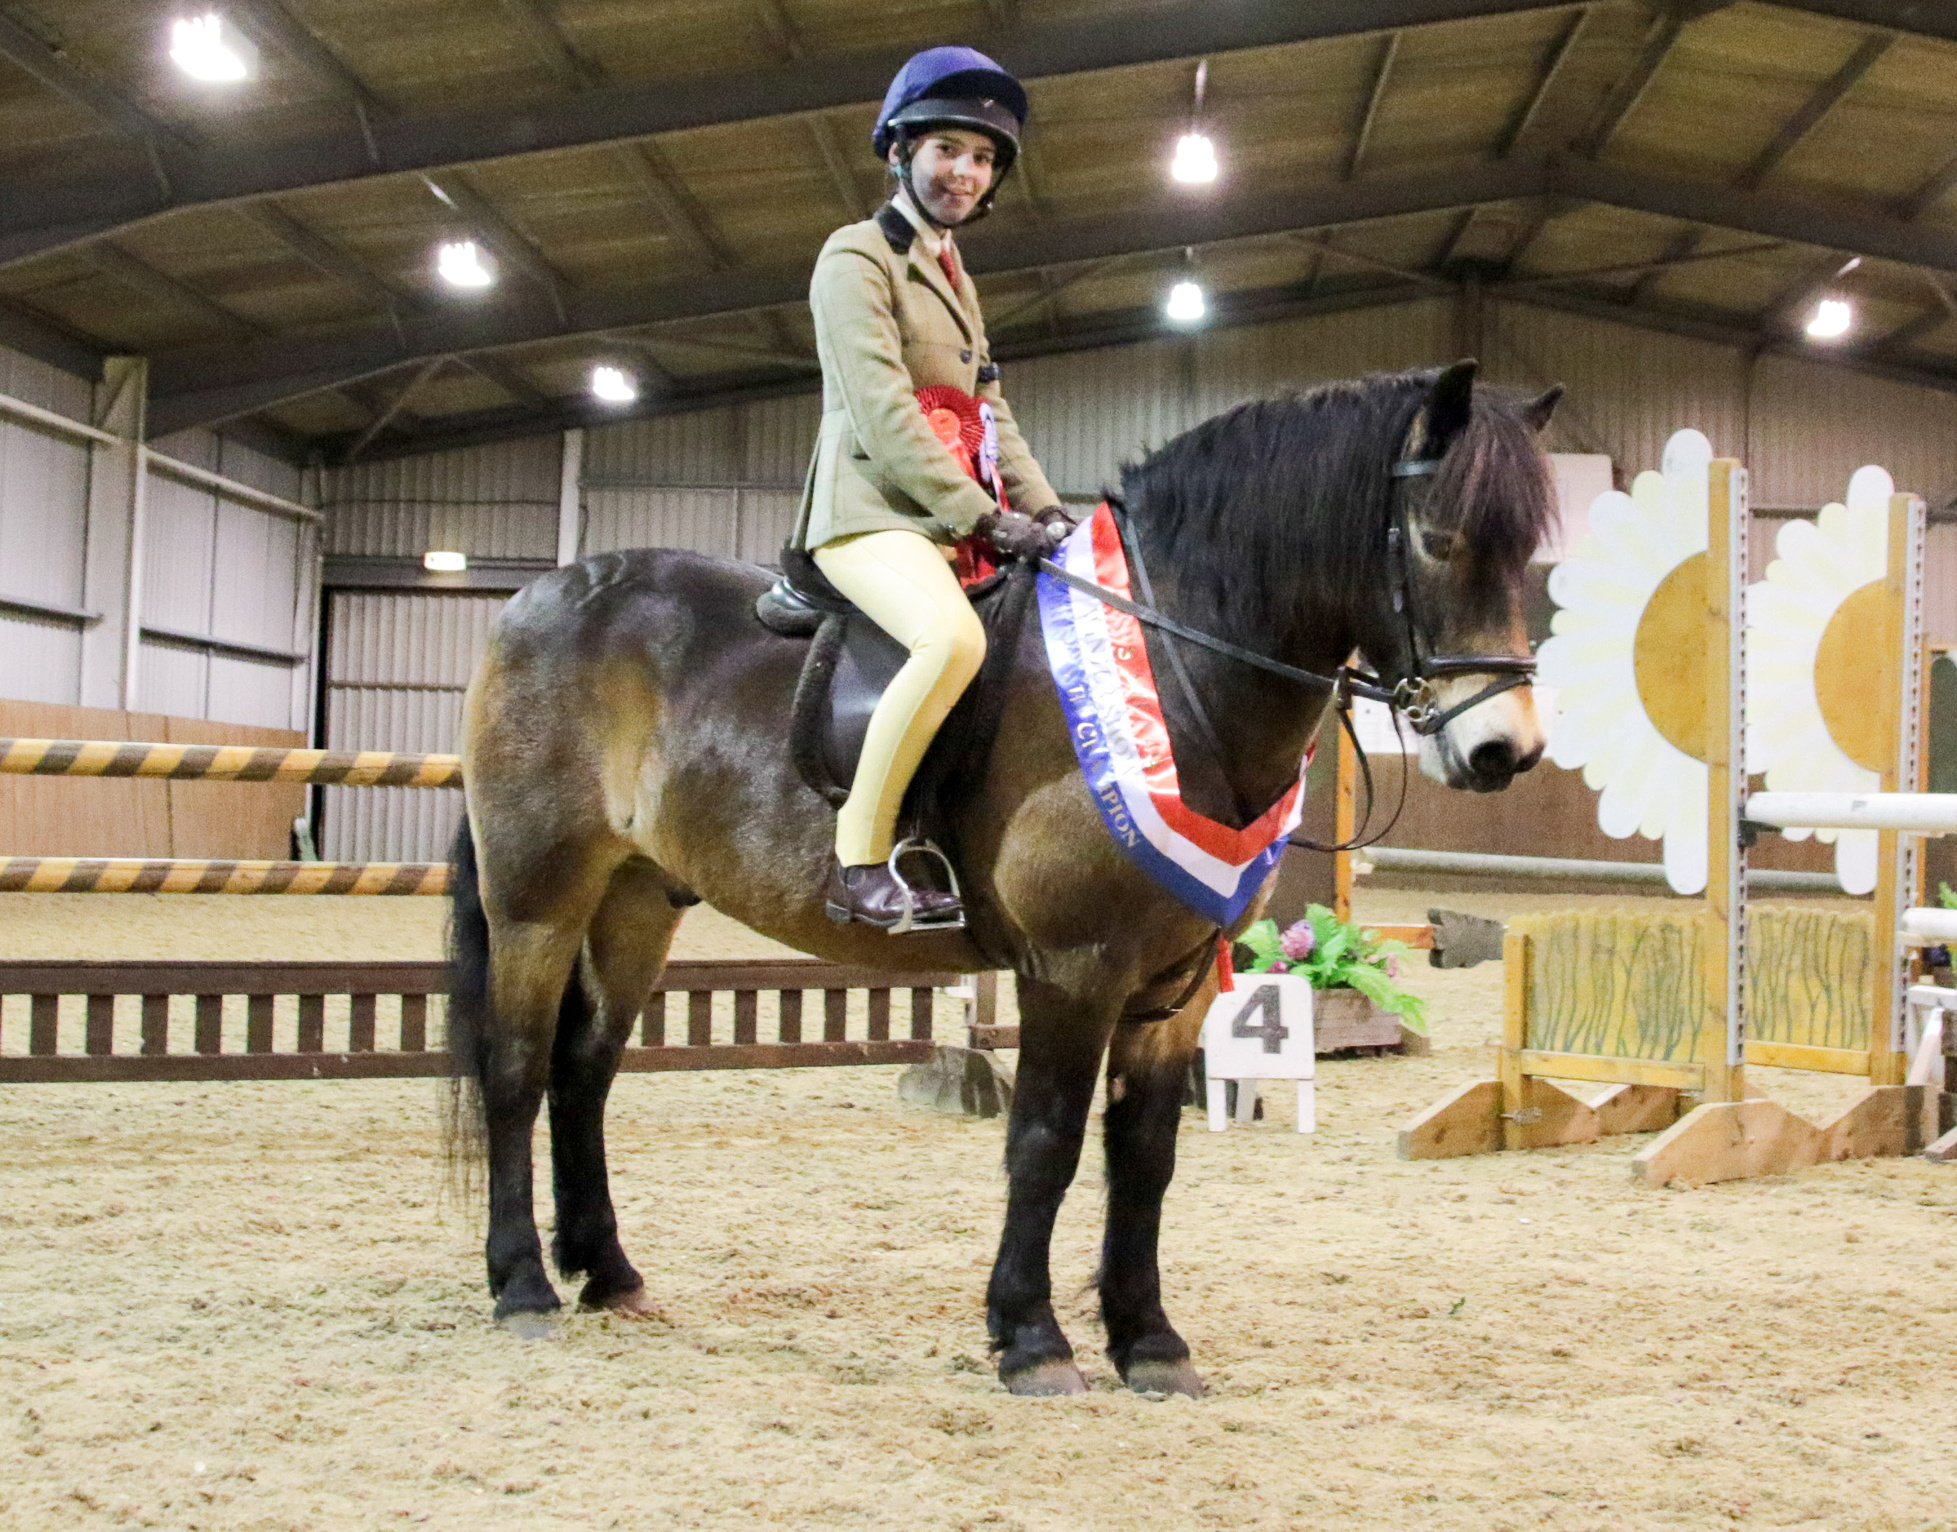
(1924, 18)
(273, 27)
(1722, 329)
(1256, 307)
(34, 334)
(385, 416)
(1806, 219)
(215, 383)
(324, 256)
(31, 53)
(547, 41)
(113, 261)
(50, 214)
(1817, 106)
(1362, 131)
(1634, 82)
(1546, 76)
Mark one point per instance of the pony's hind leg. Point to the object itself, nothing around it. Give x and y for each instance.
(624, 951)
(1062, 1040)
(518, 928)
(1148, 1071)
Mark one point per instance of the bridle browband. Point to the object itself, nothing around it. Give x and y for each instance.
(1411, 695)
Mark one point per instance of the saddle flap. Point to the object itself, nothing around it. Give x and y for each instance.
(866, 662)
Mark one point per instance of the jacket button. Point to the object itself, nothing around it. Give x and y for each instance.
(965, 356)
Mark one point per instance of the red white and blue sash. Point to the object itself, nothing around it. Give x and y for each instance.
(1114, 717)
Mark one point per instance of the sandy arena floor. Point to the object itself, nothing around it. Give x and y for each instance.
(247, 1307)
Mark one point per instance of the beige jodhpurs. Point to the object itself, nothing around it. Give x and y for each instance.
(902, 581)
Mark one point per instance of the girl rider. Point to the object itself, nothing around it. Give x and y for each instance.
(895, 312)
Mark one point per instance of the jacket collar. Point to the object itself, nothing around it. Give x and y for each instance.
(901, 234)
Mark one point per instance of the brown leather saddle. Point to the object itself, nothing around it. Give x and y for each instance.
(851, 661)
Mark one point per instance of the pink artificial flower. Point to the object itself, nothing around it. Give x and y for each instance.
(1280, 966)
(1392, 968)
(1297, 941)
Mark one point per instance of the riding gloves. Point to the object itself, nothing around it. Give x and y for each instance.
(1017, 536)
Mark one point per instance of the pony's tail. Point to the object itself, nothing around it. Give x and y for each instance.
(463, 1137)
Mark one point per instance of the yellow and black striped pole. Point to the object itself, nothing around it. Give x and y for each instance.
(226, 763)
(140, 875)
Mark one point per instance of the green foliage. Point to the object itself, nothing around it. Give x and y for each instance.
(1343, 956)
(1946, 897)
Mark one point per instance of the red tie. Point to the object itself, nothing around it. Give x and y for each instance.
(948, 258)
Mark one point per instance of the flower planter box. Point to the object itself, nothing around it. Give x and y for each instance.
(1344, 1018)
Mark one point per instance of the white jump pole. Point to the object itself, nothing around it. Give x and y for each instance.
(1929, 927)
(1907, 813)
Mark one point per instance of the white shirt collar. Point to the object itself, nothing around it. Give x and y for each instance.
(934, 239)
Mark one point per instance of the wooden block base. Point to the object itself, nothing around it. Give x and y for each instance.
(1470, 1120)
(1734, 1140)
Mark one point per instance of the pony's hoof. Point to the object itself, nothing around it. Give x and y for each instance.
(1047, 1380)
(527, 1326)
(1166, 1378)
(633, 1305)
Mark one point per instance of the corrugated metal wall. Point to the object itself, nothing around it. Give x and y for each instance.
(397, 665)
(43, 533)
(215, 567)
(219, 568)
(489, 502)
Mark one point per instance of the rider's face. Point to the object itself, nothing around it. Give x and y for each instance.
(951, 168)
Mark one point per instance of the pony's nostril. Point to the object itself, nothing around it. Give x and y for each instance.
(1492, 760)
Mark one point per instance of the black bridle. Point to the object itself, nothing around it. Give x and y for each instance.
(1410, 694)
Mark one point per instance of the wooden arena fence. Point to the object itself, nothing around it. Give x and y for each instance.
(184, 1020)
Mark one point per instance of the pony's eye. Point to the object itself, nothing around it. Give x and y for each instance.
(1438, 546)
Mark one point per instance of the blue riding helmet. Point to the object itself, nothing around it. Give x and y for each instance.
(956, 88)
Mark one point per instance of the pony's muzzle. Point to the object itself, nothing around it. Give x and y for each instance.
(1486, 747)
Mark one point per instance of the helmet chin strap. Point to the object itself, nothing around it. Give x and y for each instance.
(910, 191)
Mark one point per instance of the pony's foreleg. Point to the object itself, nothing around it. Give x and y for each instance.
(624, 951)
(1062, 1041)
(1148, 1071)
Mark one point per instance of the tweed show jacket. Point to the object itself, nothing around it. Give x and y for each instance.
(887, 323)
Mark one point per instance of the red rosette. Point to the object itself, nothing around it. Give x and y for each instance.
(954, 416)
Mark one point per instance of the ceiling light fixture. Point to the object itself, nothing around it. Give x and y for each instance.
(209, 48)
(1186, 303)
(444, 561)
(1832, 319)
(614, 385)
(1194, 163)
(460, 264)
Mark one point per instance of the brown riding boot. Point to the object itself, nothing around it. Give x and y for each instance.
(878, 896)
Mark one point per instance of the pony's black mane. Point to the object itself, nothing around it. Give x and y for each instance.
(1282, 504)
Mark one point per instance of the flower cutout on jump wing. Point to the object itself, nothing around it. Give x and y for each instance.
(1625, 658)
(1810, 727)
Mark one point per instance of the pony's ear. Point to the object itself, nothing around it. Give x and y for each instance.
(1450, 405)
(1538, 410)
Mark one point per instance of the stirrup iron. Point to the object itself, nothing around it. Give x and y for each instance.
(955, 920)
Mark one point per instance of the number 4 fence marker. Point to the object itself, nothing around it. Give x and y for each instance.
(1260, 1030)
